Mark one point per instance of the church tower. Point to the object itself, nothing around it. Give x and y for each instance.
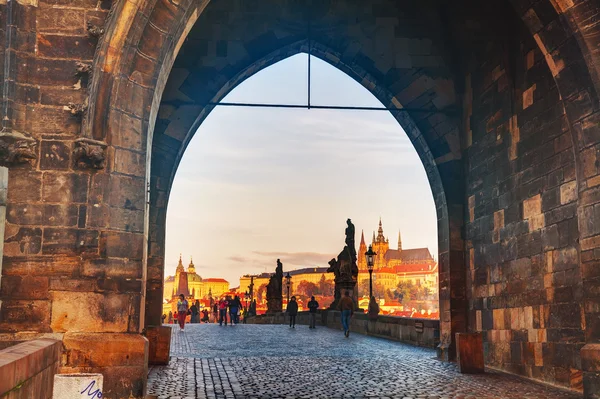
(180, 268)
(362, 259)
(178, 272)
(191, 267)
(380, 246)
(399, 241)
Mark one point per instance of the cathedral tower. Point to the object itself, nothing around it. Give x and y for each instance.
(191, 267)
(362, 259)
(380, 246)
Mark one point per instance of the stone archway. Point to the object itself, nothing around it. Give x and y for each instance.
(526, 143)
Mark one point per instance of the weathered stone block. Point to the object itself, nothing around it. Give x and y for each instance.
(129, 163)
(55, 155)
(469, 353)
(61, 215)
(128, 132)
(121, 358)
(61, 46)
(565, 259)
(69, 241)
(25, 214)
(22, 241)
(24, 287)
(112, 268)
(89, 312)
(159, 338)
(25, 315)
(532, 207)
(65, 187)
(568, 192)
(24, 185)
(528, 97)
(122, 245)
(61, 20)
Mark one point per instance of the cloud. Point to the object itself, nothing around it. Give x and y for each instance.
(298, 258)
(239, 259)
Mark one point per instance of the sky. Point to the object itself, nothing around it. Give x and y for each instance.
(258, 184)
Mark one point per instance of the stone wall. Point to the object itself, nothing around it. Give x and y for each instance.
(402, 329)
(523, 279)
(27, 369)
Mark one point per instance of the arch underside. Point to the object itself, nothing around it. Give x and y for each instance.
(212, 62)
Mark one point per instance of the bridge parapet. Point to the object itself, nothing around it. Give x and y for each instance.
(27, 369)
(419, 332)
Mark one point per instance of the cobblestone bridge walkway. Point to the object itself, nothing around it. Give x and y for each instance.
(274, 361)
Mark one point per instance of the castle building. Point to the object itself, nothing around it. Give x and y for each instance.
(190, 284)
(391, 266)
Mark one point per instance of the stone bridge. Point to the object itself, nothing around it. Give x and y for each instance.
(499, 98)
(276, 361)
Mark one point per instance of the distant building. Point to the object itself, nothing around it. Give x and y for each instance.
(391, 266)
(192, 285)
(309, 274)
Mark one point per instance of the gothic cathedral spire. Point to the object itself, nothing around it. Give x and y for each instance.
(180, 265)
(399, 241)
(362, 249)
(380, 237)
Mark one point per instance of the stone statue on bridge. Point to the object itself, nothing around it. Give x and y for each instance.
(345, 268)
(274, 290)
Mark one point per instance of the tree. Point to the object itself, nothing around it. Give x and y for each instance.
(326, 288)
(307, 288)
(403, 291)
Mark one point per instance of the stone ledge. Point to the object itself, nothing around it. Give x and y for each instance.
(402, 329)
(22, 362)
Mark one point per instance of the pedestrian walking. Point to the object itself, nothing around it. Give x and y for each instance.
(162, 318)
(170, 318)
(313, 305)
(215, 310)
(346, 305)
(292, 310)
(182, 311)
(234, 308)
(175, 319)
(195, 311)
(223, 311)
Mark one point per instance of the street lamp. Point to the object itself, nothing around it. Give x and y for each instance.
(370, 258)
(288, 280)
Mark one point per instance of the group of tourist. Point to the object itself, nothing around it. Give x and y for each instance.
(233, 307)
(223, 311)
(292, 311)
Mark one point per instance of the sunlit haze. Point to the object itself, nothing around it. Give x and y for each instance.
(257, 184)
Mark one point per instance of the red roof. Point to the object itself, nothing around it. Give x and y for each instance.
(386, 270)
(215, 280)
(416, 268)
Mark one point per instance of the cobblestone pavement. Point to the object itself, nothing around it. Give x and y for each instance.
(274, 361)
